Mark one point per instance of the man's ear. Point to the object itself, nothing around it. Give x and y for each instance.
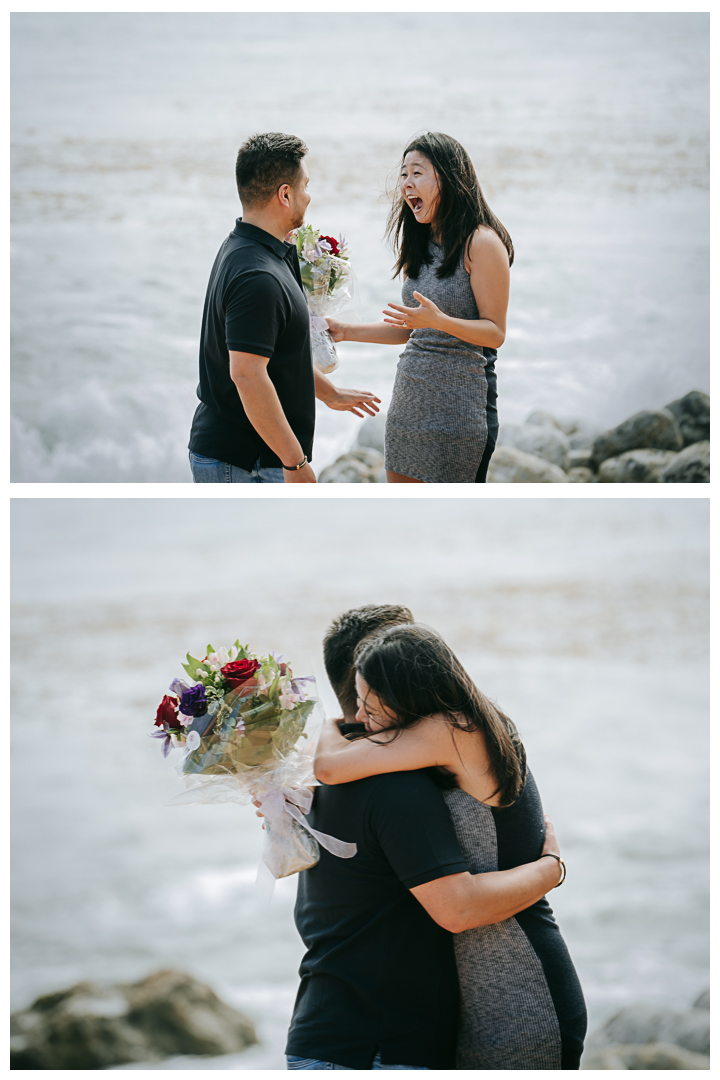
(283, 194)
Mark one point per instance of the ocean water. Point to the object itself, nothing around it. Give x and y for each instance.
(589, 133)
(586, 620)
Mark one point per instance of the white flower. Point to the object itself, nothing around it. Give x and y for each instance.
(193, 740)
(232, 652)
(288, 701)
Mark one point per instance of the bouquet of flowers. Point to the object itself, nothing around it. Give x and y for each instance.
(328, 282)
(242, 722)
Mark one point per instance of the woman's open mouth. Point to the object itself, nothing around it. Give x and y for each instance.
(415, 203)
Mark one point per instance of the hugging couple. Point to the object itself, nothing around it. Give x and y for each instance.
(256, 419)
(434, 946)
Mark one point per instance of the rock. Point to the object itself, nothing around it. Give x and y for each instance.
(651, 1056)
(581, 433)
(655, 429)
(542, 440)
(580, 459)
(94, 1026)
(703, 1001)
(511, 466)
(581, 475)
(540, 418)
(362, 466)
(690, 466)
(649, 1024)
(692, 413)
(635, 467)
(371, 434)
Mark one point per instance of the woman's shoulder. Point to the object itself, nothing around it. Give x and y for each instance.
(485, 241)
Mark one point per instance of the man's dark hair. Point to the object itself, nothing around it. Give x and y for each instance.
(344, 635)
(266, 162)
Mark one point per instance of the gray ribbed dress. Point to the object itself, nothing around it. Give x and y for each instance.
(522, 1006)
(436, 425)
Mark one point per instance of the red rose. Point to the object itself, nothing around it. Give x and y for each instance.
(333, 243)
(166, 715)
(239, 671)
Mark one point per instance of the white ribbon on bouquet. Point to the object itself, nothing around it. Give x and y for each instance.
(279, 808)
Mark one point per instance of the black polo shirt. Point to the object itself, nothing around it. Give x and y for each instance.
(379, 974)
(255, 304)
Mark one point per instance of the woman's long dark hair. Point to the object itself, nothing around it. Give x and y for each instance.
(414, 673)
(461, 209)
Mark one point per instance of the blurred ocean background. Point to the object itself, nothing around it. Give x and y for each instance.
(589, 133)
(585, 619)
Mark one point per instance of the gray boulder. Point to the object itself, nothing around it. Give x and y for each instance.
(692, 413)
(649, 1024)
(511, 466)
(362, 466)
(652, 1056)
(580, 459)
(542, 440)
(635, 467)
(540, 418)
(581, 433)
(371, 434)
(690, 466)
(581, 475)
(95, 1026)
(655, 429)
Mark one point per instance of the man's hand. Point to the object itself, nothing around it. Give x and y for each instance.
(299, 476)
(337, 329)
(353, 401)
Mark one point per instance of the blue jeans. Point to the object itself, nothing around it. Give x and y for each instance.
(207, 470)
(313, 1063)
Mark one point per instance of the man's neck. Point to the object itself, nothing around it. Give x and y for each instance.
(268, 222)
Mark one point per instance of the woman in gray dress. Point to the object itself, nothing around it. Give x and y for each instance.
(455, 258)
(522, 1006)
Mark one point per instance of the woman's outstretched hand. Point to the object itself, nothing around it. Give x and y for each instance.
(415, 318)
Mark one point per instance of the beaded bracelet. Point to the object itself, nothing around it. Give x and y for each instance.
(294, 468)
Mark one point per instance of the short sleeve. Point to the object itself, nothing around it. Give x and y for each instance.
(254, 313)
(411, 822)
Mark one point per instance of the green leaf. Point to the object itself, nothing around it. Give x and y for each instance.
(192, 666)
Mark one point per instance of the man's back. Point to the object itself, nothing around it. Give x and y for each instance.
(379, 974)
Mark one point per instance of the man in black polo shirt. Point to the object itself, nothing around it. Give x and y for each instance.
(379, 984)
(256, 418)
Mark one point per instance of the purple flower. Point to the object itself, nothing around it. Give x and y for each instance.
(297, 685)
(193, 702)
(167, 741)
(178, 687)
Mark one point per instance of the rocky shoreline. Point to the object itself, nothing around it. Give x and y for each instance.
(98, 1025)
(171, 1014)
(655, 446)
(648, 1037)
